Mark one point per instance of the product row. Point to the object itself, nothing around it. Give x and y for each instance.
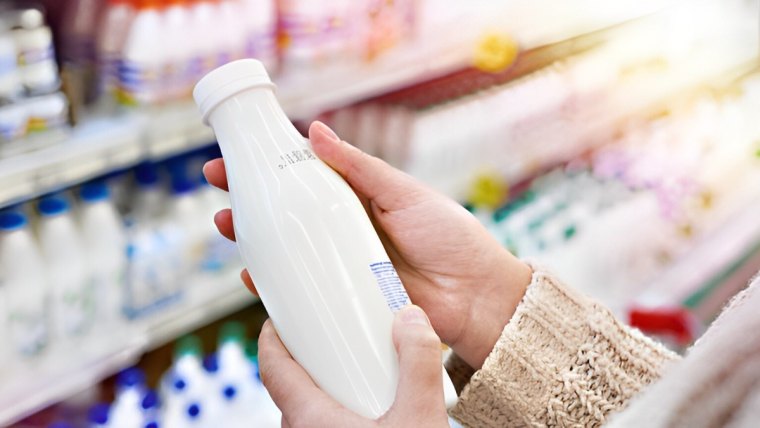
(123, 248)
(149, 52)
(543, 111)
(30, 100)
(220, 389)
(657, 189)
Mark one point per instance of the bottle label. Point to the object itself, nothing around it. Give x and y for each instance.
(390, 285)
(139, 84)
(295, 156)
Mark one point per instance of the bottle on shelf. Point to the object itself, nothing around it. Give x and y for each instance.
(127, 409)
(260, 31)
(34, 43)
(67, 269)
(111, 36)
(106, 242)
(25, 287)
(177, 74)
(97, 415)
(143, 57)
(290, 207)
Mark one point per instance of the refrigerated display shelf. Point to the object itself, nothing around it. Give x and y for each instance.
(103, 144)
(710, 266)
(74, 367)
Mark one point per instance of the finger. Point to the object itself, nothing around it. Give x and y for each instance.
(388, 188)
(216, 174)
(223, 222)
(302, 403)
(248, 281)
(420, 387)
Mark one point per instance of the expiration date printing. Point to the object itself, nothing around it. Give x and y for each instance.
(294, 157)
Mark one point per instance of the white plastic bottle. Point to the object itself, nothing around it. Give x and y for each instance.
(111, 36)
(148, 277)
(106, 243)
(177, 78)
(319, 266)
(10, 83)
(261, 31)
(34, 41)
(231, 31)
(68, 275)
(143, 57)
(127, 410)
(182, 229)
(24, 284)
(219, 252)
(204, 38)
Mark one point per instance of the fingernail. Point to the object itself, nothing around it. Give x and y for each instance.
(326, 131)
(412, 314)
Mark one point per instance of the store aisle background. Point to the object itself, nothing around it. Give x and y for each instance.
(615, 142)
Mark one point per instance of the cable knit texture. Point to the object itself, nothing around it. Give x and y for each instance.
(563, 360)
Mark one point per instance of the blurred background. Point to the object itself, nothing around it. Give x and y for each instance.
(617, 143)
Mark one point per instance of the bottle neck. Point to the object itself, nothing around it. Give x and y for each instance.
(254, 118)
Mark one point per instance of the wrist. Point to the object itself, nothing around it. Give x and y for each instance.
(492, 306)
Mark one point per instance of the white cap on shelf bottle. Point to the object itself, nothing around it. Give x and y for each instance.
(318, 264)
(25, 285)
(106, 243)
(69, 277)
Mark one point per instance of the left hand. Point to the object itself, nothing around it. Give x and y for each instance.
(419, 395)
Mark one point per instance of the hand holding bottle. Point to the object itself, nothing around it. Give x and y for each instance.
(419, 397)
(468, 284)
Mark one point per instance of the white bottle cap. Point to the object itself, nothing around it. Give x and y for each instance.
(228, 80)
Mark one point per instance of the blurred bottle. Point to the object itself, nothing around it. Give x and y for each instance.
(13, 121)
(150, 409)
(46, 112)
(106, 242)
(148, 275)
(177, 75)
(111, 36)
(181, 229)
(78, 32)
(184, 385)
(36, 58)
(260, 19)
(71, 282)
(24, 286)
(232, 30)
(10, 83)
(219, 252)
(143, 56)
(97, 415)
(131, 391)
(204, 38)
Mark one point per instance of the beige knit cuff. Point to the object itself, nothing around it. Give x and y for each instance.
(563, 359)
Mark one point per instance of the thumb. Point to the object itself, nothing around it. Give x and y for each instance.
(419, 395)
(387, 187)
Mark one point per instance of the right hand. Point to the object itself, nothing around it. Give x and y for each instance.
(467, 283)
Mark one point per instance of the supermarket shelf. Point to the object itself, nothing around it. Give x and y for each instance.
(66, 371)
(100, 145)
(711, 264)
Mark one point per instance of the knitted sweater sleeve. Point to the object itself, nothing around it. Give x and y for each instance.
(562, 360)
